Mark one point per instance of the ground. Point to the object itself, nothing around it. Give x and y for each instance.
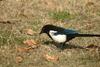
(19, 15)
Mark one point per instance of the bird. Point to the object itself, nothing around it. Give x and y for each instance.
(61, 35)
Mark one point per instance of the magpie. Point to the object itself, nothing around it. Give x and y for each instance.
(62, 35)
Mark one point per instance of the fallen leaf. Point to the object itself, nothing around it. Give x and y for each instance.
(24, 49)
(19, 59)
(31, 43)
(28, 31)
(51, 58)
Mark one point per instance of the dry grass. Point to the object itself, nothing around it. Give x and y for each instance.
(16, 15)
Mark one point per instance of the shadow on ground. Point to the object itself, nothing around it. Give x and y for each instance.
(66, 46)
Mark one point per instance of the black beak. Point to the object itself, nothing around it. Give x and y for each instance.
(41, 32)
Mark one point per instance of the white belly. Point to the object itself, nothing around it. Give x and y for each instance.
(57, 38)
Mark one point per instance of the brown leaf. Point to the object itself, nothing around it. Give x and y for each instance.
(31, 43)
(24, 49)
(28, 31)
(51, 58)
(19, 59)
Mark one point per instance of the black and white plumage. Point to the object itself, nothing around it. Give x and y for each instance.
(62, 35)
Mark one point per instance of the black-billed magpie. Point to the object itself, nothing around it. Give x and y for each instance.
(62, 35)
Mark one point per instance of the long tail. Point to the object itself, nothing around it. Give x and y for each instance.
(85, 35)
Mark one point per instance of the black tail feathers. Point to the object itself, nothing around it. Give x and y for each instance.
(86, 35)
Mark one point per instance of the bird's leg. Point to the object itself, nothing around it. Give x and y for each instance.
(62, 45)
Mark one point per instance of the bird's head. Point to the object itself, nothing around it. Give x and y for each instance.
(47, 28)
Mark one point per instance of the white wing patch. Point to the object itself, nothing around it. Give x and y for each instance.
(60, 38)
